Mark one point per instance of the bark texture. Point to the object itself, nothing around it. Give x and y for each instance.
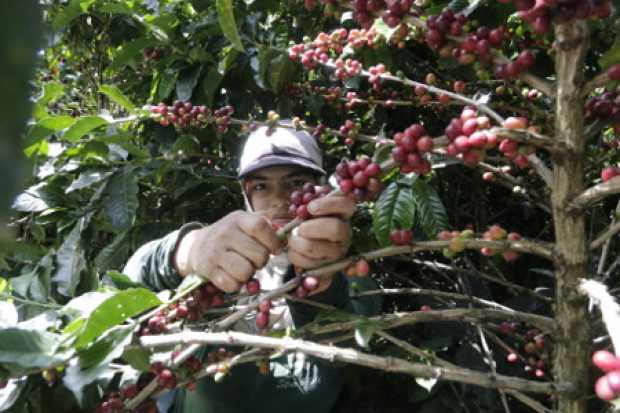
(573, 339)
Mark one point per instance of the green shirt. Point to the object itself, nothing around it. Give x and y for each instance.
(296, 383)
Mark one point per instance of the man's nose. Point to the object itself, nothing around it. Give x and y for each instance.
(282, 196)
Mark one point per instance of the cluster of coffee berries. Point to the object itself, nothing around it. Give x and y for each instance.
(439, 26)
(262, 315)
(301, 199)
(360, 268)
(347, 68)
(311, 53)
(181, 114)
(468, 140)
(166, 378)
(396, 11)
(222, 118)
(375, 73)
(190, 308)
(114, 402)
(479, 45)
(533, 354)
(359, 179)
(411, 145)
(607, 387)
(401, 236)
(457, 241)
(358, 39)
(524, 61)
(540, 13)
(349, 129)
(497, 233)
(364, 10)
(605, 106)
(609, 173)
(512, 150)
(3, 384)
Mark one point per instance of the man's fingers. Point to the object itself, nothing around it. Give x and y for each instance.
(259, 228)
(330, 229)
(239, 267)
(320, 250)
(249, 248)
(338, 205)
(224, 281)
(298, 259)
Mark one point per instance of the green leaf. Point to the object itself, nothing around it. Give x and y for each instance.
(109, 346)
(87, 179)
(117, 96)
(364, 332)
(84, 304)
(281, 70)
(167, 83)
(138, 358)
(51, 92)
(76, 378)
(48, 126)
(395, 208)
(70, 259)
(121, 199)
(117, 8)
(115, 310)
(114, 254)
(129, 51)
(228, 58)
(226, 18)
(431, 212)
(67, 14)
(83, 126)
(31, 200)
(187, 82)
(211, 83)
(121, 281)
(29, 348)
(611, 56)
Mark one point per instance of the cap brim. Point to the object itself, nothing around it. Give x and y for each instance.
(277, 160)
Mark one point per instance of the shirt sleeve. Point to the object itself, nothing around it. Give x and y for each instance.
(152, 264)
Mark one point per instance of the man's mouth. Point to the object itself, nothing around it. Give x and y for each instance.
(281, 219)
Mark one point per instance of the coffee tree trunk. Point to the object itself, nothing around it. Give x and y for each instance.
(573, 338)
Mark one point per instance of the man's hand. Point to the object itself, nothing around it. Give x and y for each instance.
(228, 252)
(323, 239)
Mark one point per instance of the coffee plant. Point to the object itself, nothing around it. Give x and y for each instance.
(479, 140)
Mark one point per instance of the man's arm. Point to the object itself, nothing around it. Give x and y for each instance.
(153, 265)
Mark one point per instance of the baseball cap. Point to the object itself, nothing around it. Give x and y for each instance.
(284, 146)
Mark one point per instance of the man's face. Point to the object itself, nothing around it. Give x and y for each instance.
(269, 190)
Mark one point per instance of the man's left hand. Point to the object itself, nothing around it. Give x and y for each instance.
(325, 238)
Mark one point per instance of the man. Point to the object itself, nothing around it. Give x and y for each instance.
(243, 245)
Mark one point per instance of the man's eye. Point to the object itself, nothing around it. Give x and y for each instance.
(258, 187)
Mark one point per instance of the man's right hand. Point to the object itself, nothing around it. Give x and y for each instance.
(228, 252)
